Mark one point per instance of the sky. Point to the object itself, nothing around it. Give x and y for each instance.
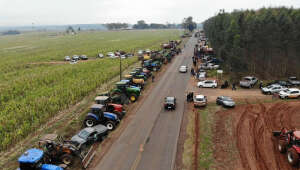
(64, 12)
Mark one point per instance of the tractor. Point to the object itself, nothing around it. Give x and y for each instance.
(124, 89)
(97, 115)
(106, 101)
(289, 141)
(33, 159)
(58, 151)
(138, 82)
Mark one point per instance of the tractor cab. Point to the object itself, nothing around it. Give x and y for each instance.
(33, 159)
(103, 100)
(97, 109)
(296, 135)
(111, 107)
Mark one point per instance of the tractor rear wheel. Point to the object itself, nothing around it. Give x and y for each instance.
(132, 97)
(90, 122)
(293, 157)
(67, 159)
(110, 125)
(282, 146)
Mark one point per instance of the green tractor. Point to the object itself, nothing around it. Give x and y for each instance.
(124, 89)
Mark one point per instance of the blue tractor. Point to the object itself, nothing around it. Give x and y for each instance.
(97, 115)
(33, 159)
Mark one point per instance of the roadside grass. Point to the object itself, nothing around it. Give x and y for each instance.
(188, 152)
(206, 145)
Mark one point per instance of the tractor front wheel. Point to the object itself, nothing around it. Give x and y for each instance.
(67, 159)
(132, 97)
(282, 146)
(293, 157)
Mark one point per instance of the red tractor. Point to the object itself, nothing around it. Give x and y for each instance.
(111, 107)
(289, 141)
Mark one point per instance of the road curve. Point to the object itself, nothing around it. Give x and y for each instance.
(150, 139)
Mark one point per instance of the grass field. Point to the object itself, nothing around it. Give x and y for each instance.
(35, 84)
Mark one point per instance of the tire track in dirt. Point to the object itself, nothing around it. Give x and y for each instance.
(240, 137)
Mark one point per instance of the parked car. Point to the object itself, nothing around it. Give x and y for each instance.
(289, 93)
(111, 55)
(200, 100)
(148, 51)
(140, 52)
(183, 69)
(123, 57)
(248, 81)
(274, 88)
(294, 81)
(208, 83)
(170, 103)
(67, 58)
(225, 101)
(83, 57)
(280, 82)
(75, 57)
(100, 55)
(90, 135)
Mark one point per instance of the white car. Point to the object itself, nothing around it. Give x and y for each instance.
(67, 58)
(289, 93)
(100, 55)
(140, 52)
(123, 57)
(274, 88)
(208, 83)
(111, 55)
(148, 51)
(200, 100)
(183, 69)
(248, 81)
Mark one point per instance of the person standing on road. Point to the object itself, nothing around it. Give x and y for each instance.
(233, 86)
(153, 77)
(260, 84)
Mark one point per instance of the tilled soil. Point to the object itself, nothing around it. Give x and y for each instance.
(243, 136)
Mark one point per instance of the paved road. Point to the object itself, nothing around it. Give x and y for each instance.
(150, 139)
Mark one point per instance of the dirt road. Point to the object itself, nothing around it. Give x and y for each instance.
(150, 139)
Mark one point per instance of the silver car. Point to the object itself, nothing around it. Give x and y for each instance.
(274, 88)
(225, 101)
(90, 135)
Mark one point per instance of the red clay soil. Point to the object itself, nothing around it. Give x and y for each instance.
(246, 142)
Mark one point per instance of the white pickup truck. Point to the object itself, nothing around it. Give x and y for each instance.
(248, 81)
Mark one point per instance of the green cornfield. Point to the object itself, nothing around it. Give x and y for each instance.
(35, 83)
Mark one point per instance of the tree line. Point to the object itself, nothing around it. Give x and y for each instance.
(141, 25)
(264, 42)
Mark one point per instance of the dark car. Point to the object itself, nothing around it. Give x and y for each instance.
(225, 101)
(280, 82)
(170, 103)
(84, 57)
(90, 135)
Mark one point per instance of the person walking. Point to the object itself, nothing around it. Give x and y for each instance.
(153, 77)
(233, 86)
